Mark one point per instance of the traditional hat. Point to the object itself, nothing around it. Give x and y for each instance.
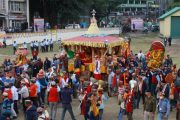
(27, 102)
(161, 94)
(77, 55)
(5, 94)
(93, 80)
(66, 84)
(39, 109)
(23, 82)
(53, 83)
(41, 73)
(33, 80)
(96, 56)
(61, 74)
(100, 89)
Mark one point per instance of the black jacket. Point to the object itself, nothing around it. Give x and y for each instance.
(47, 64)
(31, 113)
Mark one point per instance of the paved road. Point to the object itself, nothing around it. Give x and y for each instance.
(62, 35)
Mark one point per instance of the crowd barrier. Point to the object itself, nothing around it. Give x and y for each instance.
(22, 35)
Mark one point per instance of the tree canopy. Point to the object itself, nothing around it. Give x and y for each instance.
(68, 11)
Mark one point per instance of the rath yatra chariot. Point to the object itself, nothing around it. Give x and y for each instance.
(93, 45)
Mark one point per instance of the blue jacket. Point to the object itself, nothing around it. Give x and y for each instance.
(66, 95)
(43, 82)
(31, 113)
(164, 106)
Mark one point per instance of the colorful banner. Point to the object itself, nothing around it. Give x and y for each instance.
(38, 24)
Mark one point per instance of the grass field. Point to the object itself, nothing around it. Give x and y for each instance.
(139, 42)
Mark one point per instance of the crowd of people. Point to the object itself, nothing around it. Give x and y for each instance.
(39, 86)
(44, 46)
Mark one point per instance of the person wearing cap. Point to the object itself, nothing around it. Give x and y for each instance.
(97, 71)
(8, 78)
(133, 82)
(33, 90)
(6, 107)
(43, 84)
(141, 90)
(77, 65)
(31, 111)
(64, 79)
(15, 97)
(42, 114)
(10, 97)
(66, 100)
(163, 107)
(53, 98)
(47, 64)
(110, 81)
(24, 93)
(122, 105)
(101, 99)
(121, 90)
(125, 77)
(149, 106)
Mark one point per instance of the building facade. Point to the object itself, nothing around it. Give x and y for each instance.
(169, 23)
(138, 7)
(163, 5)
(13, 13)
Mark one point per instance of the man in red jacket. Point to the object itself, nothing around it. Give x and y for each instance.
(129, 106)
(53, 99)
(33, 90)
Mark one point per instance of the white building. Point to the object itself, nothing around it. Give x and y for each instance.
(138, 6)
(13, 13)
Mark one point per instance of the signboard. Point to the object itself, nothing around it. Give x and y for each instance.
(38, 24)
(137, 24)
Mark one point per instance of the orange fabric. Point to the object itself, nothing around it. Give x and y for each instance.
(124, 75)
(114, 82)
(33, 90)
(53, 95)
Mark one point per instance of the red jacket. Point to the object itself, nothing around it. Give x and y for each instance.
(129, 105)
(10, 96)
(53, 95)
(154, 80)
(33, 90)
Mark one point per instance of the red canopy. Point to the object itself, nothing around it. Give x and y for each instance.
(94, 41)
(157, 45)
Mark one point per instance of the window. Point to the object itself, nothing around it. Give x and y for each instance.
(137, 2)
(13, 23)
(3, 4)
(16, 6)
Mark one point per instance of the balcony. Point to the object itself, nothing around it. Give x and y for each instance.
(137, 6)
(18, 12)
(132, 5)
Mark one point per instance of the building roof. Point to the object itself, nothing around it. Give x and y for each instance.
(169, 13)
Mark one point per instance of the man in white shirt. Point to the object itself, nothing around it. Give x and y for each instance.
(133, 82)
(47, 45)
(110, 79)
(51, 45)
(25, 45)
(24, 93)
(14, 46)
(32, 45)
(15, 97)
(37, 45)
(141, 56)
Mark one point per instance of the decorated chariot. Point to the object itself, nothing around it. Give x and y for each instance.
(93, 44)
